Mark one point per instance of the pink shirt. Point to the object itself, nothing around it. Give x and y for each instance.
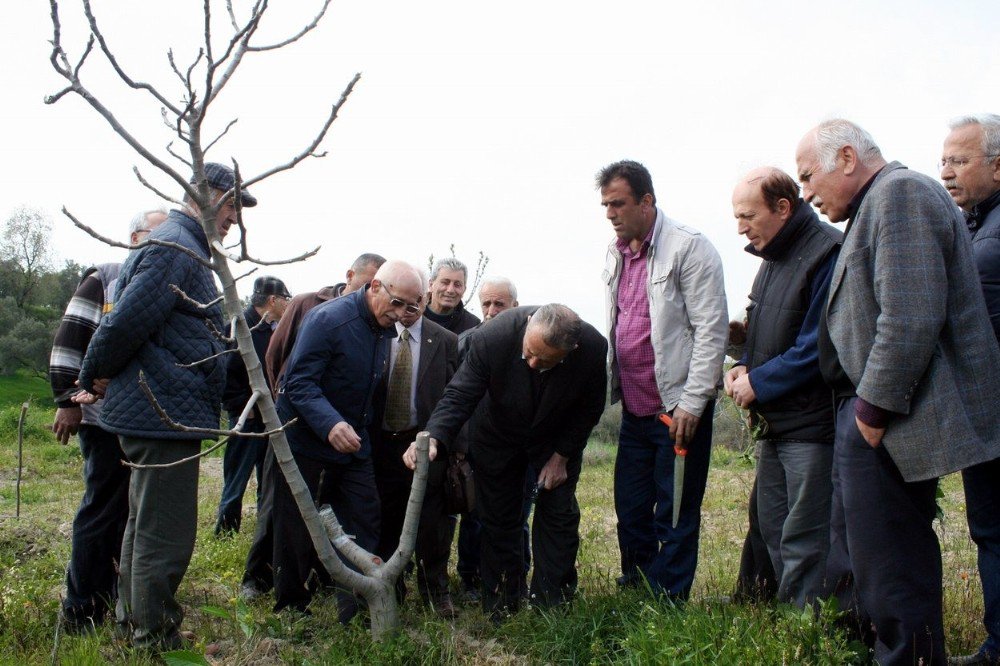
(633, 346)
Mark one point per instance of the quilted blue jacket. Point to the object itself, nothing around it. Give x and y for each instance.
(154, 330)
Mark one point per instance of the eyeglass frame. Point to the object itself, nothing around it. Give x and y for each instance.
(397, 302)
(958, 163)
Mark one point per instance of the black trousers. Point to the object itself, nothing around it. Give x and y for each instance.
(885, 560)
(555, 533)
(434, 533)
(92, 577)
(259, 570)
(349, 488)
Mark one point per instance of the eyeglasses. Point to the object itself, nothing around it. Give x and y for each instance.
(400, 303)
(959, 162)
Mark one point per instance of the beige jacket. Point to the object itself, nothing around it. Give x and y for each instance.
(687, 308)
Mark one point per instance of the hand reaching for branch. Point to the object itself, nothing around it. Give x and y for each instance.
(67, 423)
(410, 455)
(343, 438)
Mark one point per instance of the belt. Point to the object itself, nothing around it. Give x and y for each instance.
(401, 436)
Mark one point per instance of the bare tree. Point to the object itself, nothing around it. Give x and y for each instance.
(200, 83)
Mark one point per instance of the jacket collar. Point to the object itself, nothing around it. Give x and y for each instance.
(365, 312)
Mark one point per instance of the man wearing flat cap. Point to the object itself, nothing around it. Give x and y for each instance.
(246, 454)
(156, 332)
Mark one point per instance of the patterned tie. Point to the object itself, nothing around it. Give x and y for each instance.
(397, 406)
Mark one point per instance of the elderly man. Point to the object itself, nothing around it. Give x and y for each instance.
(667, 324)
(244, 455)
(778, 377)
(339, 358)
(496, 294)
(358, 275)
(156, 332)
(422, 360)
(91, 579)
(970, 169)
(533, 382)
(907, 346)
(449, 279)
(258, 577)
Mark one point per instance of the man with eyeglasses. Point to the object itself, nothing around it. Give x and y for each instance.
(91, 588)
(340, 356)
(423, 357)
(907, 346)
(970, 169)
(533, 383)
(244, 455)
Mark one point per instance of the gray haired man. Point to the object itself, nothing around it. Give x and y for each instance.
(449, 280)
(970, 169)
(91, 580)
(906, 344)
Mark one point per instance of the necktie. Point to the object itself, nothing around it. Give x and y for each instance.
(397, 407)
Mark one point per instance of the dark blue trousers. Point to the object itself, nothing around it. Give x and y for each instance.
(92, 577)
(651, 548)
(885, 560)
(982, 506)
(243, 456)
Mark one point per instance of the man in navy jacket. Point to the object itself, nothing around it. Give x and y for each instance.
(338, 360)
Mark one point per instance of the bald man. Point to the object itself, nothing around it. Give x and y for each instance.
(339, 358)
(778, 378)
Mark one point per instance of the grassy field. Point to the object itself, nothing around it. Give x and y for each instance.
(602, 626)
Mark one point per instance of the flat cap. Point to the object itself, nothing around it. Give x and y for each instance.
(222, 178)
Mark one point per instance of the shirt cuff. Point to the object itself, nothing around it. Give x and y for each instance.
(871, 415)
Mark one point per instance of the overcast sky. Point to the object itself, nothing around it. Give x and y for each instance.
(483, 124)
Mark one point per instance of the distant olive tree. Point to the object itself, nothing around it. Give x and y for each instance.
(25, 253)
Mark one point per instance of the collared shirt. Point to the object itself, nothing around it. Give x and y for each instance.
(415, 332)
(633, 343)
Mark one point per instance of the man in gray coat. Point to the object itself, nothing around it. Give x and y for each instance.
(907, 346)
(970, 169)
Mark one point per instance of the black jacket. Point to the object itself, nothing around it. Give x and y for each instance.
(495, 378)
(791, 394)
(237, 391)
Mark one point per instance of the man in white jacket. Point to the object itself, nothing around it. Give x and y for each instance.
(667, 328)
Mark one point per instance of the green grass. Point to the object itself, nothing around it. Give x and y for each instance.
(17, 388)
(604, 625)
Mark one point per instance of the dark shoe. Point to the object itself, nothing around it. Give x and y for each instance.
(444, 607)
(78, 626)
(470, 596)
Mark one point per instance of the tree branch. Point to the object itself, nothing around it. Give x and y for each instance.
(149, 241)
(138, 85)
(222, 134)
(187, 299)
(247, 409)
(177, 463)
(309, 151)
(218, 247)
(216, 432)
(217, 334)
(155, 191)
(297, 36)
(180, 158)
(194, 364)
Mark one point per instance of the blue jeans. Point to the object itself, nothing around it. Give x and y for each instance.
(651, 547)
(982, 507)
(92, 578)
(243, 456)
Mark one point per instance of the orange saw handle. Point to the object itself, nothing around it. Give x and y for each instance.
(667, 421)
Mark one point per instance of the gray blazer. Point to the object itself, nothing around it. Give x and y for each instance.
(908, 319)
